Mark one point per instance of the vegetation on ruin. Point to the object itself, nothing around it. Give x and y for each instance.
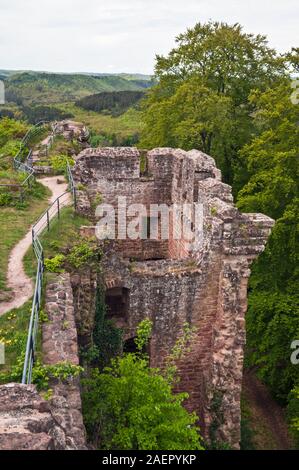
(132, 406)
(106, 337)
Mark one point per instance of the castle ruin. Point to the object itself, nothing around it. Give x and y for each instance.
(171, 281)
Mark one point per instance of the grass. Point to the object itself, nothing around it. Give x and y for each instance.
(15, 223)
(125, 125)
(61, 233)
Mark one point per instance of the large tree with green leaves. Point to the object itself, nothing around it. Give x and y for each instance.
(201, 99)
(272, 162)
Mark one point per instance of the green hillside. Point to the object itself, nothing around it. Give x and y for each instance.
(25, 88)
(115, 102)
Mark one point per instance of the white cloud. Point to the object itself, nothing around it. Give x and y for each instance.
(123, 35)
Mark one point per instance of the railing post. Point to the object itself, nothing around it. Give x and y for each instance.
(48, 221)
(58, 208)
(75, 198)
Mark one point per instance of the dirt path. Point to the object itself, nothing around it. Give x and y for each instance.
(20, 284)
(267, 419)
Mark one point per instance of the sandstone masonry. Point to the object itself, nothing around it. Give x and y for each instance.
(171, 282)
(27, 420)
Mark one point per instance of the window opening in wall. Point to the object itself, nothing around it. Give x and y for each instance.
(117, 302)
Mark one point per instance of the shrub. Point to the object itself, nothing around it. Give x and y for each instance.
(54, 265)
(132, 406)
(5, 199)
(59, 163)
(83, 252)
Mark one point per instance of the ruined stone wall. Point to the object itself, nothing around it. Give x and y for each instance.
(204, 283)
(27, 420)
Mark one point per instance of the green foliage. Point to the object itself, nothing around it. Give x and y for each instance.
(37, 113)
(84, 251)
(293, 413)
(271, 160)
(132, 406)
(181, 347)
(143, 334)
(13, 334)
(64, 148)
(107, 339)
(11, 129)
(42, 374)
(59, 163)
(115, 103)
(272, 157)
(194, 116)
(29, 88)
(7, 152)
(113, 140)
(272, 324)
(6, 198)
(201, 100)
(54, 265)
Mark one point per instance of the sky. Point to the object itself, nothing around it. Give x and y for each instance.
(112, 36)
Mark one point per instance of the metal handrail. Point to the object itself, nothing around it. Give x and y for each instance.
(19, 165)
(18, 159)
(43, 222)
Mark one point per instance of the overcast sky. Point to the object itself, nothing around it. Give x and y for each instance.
(124, 35)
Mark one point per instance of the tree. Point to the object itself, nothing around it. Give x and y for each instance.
(273, 309)
(193, 117)
(132, 406)
(213, 63)
(11, 129)
(271, 158)
(293, 412)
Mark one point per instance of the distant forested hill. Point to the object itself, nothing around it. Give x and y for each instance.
(26, 88)
(116, 102)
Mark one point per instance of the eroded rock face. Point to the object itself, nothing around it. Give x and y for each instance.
(72, 130)
(27, 421)
(174, 281)
(60, 344)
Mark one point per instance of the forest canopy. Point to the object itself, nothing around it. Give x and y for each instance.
(116, 102)
(227, 93)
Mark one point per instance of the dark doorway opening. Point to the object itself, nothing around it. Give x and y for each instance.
(129, 346)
